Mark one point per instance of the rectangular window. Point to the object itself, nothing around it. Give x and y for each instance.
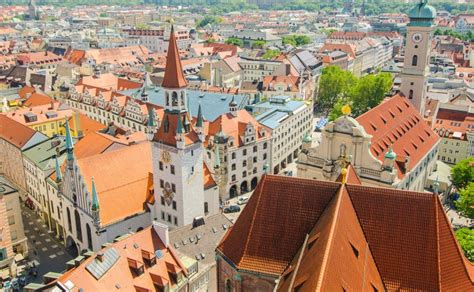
(169, 218)
(162, 183)
(172, 169)
(161, 165)
(174, 205)
(173, 188)
(162, 200)
(233, 155)
(11, 219)
(255, 159)
(175, 220)
(244, 152)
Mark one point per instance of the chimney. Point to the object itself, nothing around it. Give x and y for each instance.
(100, 256)
(162, 231)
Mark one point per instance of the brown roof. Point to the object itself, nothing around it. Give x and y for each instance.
(122, 180)
(132, 251)
(15, 132)
(396, 123)
(383, 224)
(174, 77)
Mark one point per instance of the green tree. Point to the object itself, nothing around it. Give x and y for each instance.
(289, 40)
(334, 85)
(258, 44)
(296, 40)
(465, 237)
(369, 91)
(235, 42)
(210, 19)
(271, 54)
(465, 203)
(463, 173)
(142, 26)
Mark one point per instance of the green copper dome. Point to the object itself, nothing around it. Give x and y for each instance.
(422, 14)
(307, 138)
(390, 154)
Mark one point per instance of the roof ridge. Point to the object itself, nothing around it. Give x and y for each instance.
(247, 240)
(444, 216)
(332, 232)
(438, 260)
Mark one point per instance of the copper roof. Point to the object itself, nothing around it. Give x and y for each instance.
(174, 77)
(406, 234)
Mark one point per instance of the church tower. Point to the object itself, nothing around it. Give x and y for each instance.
(417, 54)
(177, 151)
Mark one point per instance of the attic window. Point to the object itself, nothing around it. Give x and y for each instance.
(392, 114)
(428, 133)
(421, 139)
(383, 120)
(414, 145)
(406, 104)
(354, 250)
(374, 288)
(373, 127)
(399, 108)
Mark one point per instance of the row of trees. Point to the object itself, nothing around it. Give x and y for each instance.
(296, 40)
(338, 87)
(462, 177)
(469, 36)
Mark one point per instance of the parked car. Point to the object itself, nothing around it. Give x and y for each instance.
(232, 209)
(242, 200)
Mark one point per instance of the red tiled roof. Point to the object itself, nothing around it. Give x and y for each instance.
(14, 132)
(396, 123)
(167, 132)
(448, 122)
(271, 229)
(174, 77)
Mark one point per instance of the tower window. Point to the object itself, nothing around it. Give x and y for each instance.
(410, 95)
(172, 169)
(414, 60)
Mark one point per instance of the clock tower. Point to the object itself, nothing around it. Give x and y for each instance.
(177, 151)
(417, 54)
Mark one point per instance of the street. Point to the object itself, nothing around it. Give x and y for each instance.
(43, 247)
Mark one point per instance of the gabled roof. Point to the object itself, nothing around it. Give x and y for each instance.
(284, 213)
(396, 123)
(121, 179)
(174, 77)
(15, 132)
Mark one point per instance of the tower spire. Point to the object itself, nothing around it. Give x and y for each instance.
(69, 142)
(199, 121)
(59, 176)
(174, 77)
(95, 198)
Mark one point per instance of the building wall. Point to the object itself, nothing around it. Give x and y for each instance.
(452, 151)
(6, 250)
(11, 164)
(17, 233)
(229, 279)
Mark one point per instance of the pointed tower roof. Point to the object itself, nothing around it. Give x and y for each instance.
(151, 118)
(69, 142)
(174, 77)
(95, 198)
(199, 121)
(59, 176)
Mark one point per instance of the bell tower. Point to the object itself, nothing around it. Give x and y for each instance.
(417, 54)
(177, 151)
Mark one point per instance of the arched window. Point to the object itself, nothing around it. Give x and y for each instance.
(228, 286)
(77, 218)
(69, 225)
(174, 99)
(167, 98)
(414, 60)
(89, 236)
(410, 95)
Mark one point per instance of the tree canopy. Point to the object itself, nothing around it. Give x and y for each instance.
(258, 44)
(235, 42)
(209, 19)
(465, 237)
(270, 54)
(465, 203)
(296, 40)
(338, 87)
(463, 173)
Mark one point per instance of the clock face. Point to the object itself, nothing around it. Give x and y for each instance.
(417, 37)
(165, 156)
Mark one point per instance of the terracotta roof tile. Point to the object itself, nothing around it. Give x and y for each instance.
(14, 132)
(174, 77)
(396, 123)
(382, 224)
